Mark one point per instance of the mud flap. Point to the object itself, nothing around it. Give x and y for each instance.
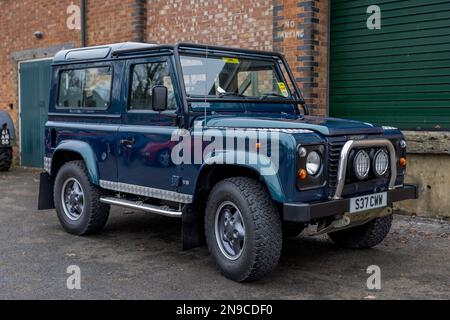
(45, 200)
(192, 229)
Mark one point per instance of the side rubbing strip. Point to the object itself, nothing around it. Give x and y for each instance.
(146, 191)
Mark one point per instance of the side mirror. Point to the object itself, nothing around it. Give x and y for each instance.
(159, 98)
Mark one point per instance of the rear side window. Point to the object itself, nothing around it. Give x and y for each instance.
(85, 88)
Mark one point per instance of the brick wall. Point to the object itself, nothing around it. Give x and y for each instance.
(301, 33)
(18, 22)
(321, 46)
(110, 21)
(246, 24)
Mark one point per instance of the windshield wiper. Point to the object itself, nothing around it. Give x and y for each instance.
(232, 94)
(272, 94)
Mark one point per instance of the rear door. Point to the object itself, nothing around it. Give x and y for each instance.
(35, 82)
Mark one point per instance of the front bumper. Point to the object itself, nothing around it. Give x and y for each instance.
(305, 212)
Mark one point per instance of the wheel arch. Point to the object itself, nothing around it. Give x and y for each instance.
(71, 150)
(210, 174)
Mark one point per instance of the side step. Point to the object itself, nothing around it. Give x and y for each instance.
(165, 211)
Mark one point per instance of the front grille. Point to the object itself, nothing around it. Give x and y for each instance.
(334, 152)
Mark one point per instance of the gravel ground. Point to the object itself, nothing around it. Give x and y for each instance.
(138, 256)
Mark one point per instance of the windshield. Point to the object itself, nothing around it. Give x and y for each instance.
(216, 76)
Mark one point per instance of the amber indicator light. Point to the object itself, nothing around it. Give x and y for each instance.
(302, 174)
(402, 161)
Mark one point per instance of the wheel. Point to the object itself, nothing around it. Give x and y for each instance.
(77, 200)
(5, 159)
(292, 230)
(243, 229)
(365, 236)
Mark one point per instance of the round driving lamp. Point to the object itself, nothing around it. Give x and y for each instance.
(361, 164)
(313, 163)
(380, 163)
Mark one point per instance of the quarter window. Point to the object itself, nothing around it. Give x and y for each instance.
(85, 88)
(144, 78)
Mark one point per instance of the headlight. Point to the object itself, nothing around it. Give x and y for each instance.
(381, 163)
(313, 163)
(361, 164)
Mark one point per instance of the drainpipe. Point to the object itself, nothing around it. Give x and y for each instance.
(83, 22)
(139, 23)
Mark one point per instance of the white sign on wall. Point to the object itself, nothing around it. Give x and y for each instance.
(74, 19)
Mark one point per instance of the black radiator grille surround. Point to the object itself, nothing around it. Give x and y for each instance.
(334, 153)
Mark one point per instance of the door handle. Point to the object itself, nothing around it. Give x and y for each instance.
(127, 142)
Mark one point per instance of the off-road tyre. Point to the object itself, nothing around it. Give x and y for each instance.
(263, 231)
(95, 214)
(365, 236)
(5, 159)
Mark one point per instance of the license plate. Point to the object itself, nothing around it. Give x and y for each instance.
(371, 201)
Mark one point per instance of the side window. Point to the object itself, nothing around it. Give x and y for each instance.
(144, 78)
(85, 88)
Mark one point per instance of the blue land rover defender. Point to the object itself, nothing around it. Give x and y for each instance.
(220, 138)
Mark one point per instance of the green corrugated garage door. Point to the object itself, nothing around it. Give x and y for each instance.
(398, 75)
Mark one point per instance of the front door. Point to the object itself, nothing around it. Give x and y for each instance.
(144, 137)
(35, 81)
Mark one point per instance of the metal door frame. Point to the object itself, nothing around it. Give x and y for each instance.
(20, 103)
